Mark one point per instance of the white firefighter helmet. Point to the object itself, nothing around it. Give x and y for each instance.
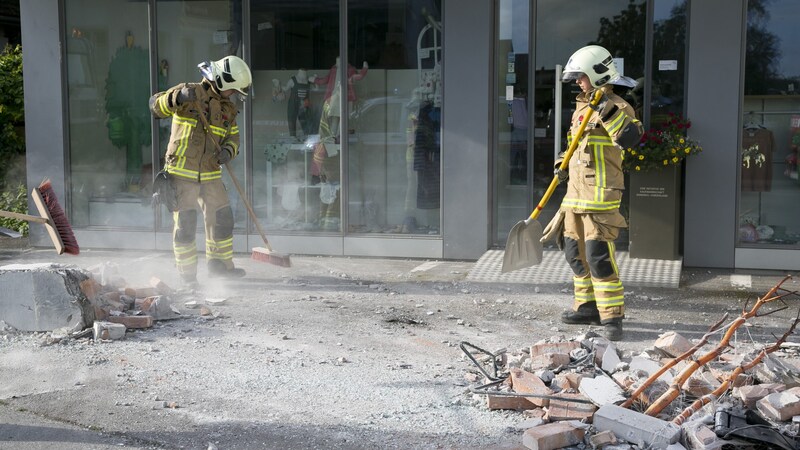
(594, 61)
(230, 72)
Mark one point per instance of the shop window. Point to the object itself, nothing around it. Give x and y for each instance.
(768, 154)
(107, 58)
(301, 148)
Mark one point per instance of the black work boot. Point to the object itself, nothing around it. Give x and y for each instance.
(586, 314)
(612, 329)
(217, 269)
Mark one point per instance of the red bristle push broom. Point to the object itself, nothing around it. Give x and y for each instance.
(52, 216)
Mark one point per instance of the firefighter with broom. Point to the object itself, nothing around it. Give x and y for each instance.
(193, 161)
(589, 220)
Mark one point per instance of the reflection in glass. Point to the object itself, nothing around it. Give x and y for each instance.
(296, 132)
(394, 160)
(768, 154)
(109, 125)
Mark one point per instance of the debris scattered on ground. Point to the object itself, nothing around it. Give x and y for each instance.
(705, 394)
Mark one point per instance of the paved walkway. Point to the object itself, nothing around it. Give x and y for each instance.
(554, 269)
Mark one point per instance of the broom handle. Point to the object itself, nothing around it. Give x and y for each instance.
(242, 194)
(24, 217)
(565, 163)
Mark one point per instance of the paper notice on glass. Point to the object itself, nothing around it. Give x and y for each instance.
(509, 93)
(668, 64)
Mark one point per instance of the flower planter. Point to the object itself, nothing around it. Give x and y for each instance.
(654, 217)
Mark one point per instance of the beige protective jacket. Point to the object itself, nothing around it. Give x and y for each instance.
(191, 153)
(595, 169)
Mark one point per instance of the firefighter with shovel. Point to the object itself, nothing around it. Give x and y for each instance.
(589, 221)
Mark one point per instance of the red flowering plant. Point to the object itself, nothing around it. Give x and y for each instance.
(661, 147)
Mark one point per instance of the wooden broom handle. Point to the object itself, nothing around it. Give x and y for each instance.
(25, 217)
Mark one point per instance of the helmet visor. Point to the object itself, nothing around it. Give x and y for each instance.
(570, 76)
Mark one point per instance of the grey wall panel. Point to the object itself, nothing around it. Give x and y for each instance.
(44, 133)
(713, 104)
(467, 40)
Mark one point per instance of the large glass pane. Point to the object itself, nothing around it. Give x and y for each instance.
(109, 123)
(393, 159)
(296, 133)
(190, 32)
(770, 188)
(512, 122)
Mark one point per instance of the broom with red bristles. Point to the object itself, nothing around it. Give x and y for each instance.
(52, 216)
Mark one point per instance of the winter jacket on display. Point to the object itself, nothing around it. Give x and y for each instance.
(191, 153)
(595, 170)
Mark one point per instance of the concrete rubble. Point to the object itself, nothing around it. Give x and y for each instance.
(570, 396)
(72, 303)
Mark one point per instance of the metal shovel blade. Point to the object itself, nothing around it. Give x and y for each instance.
(523, 248)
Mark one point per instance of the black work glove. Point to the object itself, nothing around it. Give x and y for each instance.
(185, 95)
(224, 156)
(561, 174)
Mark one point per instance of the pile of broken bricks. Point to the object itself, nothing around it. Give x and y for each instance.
(580, 393)
(72, 302)
(118, 307)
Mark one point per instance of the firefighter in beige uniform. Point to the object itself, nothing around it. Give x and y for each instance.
(193, 162)
(590, 208)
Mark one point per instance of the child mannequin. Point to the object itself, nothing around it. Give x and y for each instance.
(298, 107)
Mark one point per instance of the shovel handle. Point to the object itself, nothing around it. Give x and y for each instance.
(598, 94)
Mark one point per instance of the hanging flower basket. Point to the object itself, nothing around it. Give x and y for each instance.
(662, 147)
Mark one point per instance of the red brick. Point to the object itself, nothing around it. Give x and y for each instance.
(508, 402)
(569, 410)
(549, 361)
(161, 286)
(145, 292)
(528, 383)
(552, 436)
(90, 288)
(132, 321)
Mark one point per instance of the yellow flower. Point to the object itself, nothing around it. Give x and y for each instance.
(666, 162)
(687, 150)
(638, 168)
(675, 160)
(674, 150)
(641, 157)
(681, 141)
(633, 152)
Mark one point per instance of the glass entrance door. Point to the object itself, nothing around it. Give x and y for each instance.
(533, 111)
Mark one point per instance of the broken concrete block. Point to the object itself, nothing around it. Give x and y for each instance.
(600, 440)
(635, 427)
(132, 321)
(556, 347)
(776, 370)
(108, 330)
(44, 297)
(780, 405)
(601, 390)
(528, 383)
(673, 344)
(565, 408)
(552, 436)
(650, 367)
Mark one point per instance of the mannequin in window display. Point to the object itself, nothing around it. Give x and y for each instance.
(298, 108)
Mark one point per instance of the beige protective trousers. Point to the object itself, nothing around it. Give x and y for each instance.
(212, 198)
(589, 250)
